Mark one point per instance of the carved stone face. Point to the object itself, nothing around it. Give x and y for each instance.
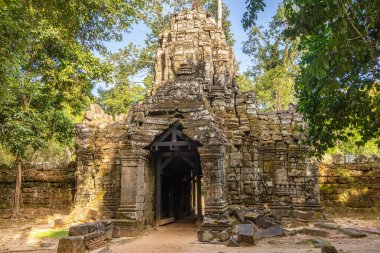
(184, 61)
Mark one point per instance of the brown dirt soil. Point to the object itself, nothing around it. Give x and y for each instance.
(18, 236)
(182, 237)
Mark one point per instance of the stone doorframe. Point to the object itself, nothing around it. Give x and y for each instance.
(172, 144)
(135, 162)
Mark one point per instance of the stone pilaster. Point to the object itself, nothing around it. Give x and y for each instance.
(133, 164)
(212, 162)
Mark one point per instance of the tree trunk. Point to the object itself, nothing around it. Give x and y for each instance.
(220, 13)
(16, 198)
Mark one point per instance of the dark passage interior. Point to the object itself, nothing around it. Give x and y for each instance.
(178, 174)
(176, 195)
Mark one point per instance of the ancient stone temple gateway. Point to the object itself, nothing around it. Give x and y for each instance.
(195, 135)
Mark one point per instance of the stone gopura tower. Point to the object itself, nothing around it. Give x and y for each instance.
(195, 145)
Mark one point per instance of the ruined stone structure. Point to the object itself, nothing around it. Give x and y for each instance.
(44, 185)
(350, 181)
(195, 135)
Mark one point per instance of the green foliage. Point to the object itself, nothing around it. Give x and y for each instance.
(244, 83)
(6, 157)
(47, 68)
(53, 152)
(250, 16)
(274, 89)
(338, 88)
(350, 146)
(275, 66)
(119, 99)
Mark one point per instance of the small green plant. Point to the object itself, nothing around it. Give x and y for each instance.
(51, 233)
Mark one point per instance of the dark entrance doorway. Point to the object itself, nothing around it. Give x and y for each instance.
(178, 176)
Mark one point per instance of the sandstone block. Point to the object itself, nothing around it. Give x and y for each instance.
(329, 249)
(232, 242)
(271, 232)
(71, 244)
(80, 229)
(247, 233)
(223, 236)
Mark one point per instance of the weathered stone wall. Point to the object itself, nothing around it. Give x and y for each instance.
(246, 158)
(350, 184)
(98, 142)
(44, 185)
(272, 167)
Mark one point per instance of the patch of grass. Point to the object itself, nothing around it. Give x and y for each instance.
(51, 233)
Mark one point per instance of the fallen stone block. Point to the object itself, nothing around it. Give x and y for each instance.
(223, 236)
(271, 232)
(71, 244)
(240, 214)
(80, 229)
(246, 233)
(353, 233)
(205, 236)
(326, 225)
(95, 239)
(232, 242)
(252, 216)
(266, 221)
(329, 249)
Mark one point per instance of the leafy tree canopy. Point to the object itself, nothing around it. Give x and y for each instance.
(47, 68)
(275, 67)
(338, 87)
(250, 16)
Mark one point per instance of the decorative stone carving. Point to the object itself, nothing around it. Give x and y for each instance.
(247, 158)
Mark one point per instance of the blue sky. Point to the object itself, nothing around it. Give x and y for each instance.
(237, 8)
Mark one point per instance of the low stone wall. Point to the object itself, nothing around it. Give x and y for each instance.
(44, 185)
(354, 185)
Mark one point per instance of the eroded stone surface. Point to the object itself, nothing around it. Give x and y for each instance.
(247, 158)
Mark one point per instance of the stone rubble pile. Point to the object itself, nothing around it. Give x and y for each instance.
(248, 226)
(87, 236)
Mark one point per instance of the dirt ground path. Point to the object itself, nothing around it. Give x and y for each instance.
(182, 237)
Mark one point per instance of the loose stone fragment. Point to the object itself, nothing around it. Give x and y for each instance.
(329, 249)
(321, 224)
(71, 244)
(80, 229)
(246, 233)
(353, 233)
(232, 242)
(223, 236)
(271, 232)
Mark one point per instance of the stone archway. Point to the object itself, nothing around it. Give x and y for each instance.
(178, 176)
